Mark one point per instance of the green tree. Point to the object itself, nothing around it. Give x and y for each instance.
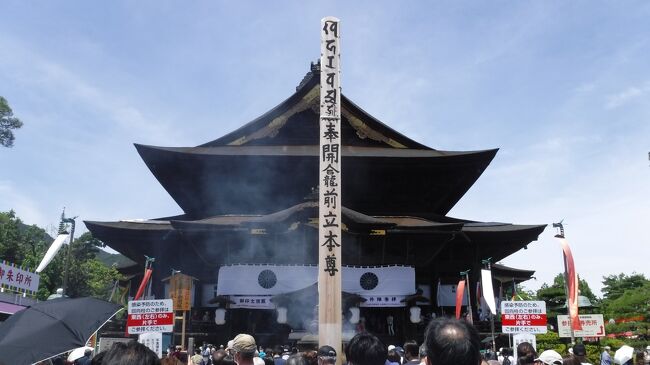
(7, 124)
(26, 246)
(555, 296)
(615, 285)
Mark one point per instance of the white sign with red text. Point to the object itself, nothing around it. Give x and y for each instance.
(523, 316)
(150, 316)
(17, 278)
(592, 326)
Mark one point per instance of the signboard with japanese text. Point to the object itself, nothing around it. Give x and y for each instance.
(17, 279)
(251, 302)
(153, 341)
(592, 326)
(180, 290)
(150, 316)
(523, 317)
(329, 207)
(383, 301)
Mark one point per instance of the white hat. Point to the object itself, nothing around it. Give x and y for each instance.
(550, 357)
(391, 347)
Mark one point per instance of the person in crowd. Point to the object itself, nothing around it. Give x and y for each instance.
(506, 356)
(228, 360)
(243, 349)
(326, 355)
(171, 361)
(98, 359)
(605, 357)
(84, 360)
(570, 360)
(365, 349)
(277, 356)
(412, 353)
(549, 357)
(197, 358)
(452, 342)
(393, 357)
(526, 353)
(423, 354)
(580, 352)
(311, 357)
(646, 353)
(130, 353)
(217, 356)
(296, 359)
(268, 360)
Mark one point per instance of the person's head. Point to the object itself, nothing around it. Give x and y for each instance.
(580, 352)
(422, 352)
(326, 355)
(452, 342)
(130, 353)
(171, 361)
(268, 360)
(228, 360)
(197, 351)
(218, 355)
(98, 359)
(394, 357)
(365, 349)
(549, 357)
(243, 349)
(526, 353)
(88, 352)
(608, 349)
(311, 357)
(571, 360)
(411, 350)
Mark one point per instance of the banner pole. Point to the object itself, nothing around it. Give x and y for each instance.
(329, 192)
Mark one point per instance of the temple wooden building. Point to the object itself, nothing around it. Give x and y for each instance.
(249, 232)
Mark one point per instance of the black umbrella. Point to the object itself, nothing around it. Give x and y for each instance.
(49, 328)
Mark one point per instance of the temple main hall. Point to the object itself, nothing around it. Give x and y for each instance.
(248, 234)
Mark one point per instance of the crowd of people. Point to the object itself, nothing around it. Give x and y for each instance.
(447, 342)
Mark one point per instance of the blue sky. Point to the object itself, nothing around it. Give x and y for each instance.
(562, 88)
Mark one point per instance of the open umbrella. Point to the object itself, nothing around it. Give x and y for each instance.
(623, 355)
(50, 328)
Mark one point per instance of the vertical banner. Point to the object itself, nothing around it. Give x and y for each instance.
(571, 277)
(329, 206)
(460, 291)
(488, 290)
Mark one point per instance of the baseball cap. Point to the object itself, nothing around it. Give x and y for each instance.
(244, 343)
(579, 350)
(327, 351)
(550, 357)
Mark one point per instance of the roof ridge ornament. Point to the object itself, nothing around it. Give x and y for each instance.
(314, 70)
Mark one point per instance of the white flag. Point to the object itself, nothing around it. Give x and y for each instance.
(488, 290)
(51, 252)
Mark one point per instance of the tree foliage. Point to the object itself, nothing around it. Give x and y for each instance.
(555, 296)
(7, 124)
(26, 245)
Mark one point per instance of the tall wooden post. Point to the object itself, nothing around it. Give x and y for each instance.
(329, 210)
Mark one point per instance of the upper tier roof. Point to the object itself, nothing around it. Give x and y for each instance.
(272, 162)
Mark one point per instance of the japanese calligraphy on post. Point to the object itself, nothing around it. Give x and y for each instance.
(17, 278)
(523, 317)
(329, 230)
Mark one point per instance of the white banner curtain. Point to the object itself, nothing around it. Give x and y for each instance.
(280, 279)
(488, 290)
(51, 252)
(446, 296)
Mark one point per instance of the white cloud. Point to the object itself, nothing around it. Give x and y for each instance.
(631, 93)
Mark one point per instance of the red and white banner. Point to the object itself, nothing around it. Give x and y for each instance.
(572, 284)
